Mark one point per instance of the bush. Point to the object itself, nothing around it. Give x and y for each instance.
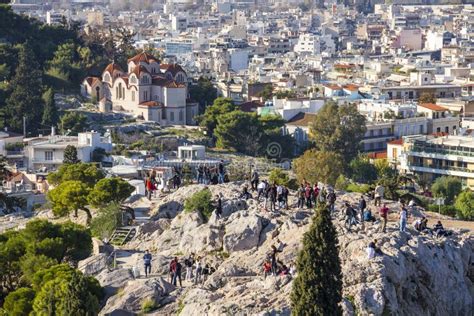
(109, 218)
(359, 188)
(279, 177)
(149, 305)
(341, 183)
(447, 188)
(200, 201)
(465, 205)
(449, 210)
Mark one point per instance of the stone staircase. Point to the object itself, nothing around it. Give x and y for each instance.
(122, 235)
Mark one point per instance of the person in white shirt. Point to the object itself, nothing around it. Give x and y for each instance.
(370, 250)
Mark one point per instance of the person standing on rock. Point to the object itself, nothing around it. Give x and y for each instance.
(198, 272)
(274, 260)
(254, 179)
(308, 195)
(378, 194)
(362, 207)
(147, 261)
(188, 262)
(331, 199)
(271, 197)
(267, 268)
(403, 218)
(261, 187)
(384, 215)
(221, 171)
(301, 193)
(219, 206)
(315, 194)
(350, 216)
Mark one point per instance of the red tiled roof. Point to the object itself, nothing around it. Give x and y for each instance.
(345, 66)
(92, 80)
(351, 87)
(172, 68)
(174, 84)
(143, 57)
(138, 70)
(302, 119)
(396, 142)
(150, 103)
(113, 67)
(378, 155)
(433, 107)
(333, 86)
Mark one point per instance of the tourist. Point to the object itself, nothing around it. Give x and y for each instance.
(176, 268)
(206, 271)
(200, 174)
(315, 194)
(219, 206)
(362, 207)
(378, 194)
(368, 217)
(350, 216)
(384, 215)
(331, 199)
(370, 250)
(261, 188)
(254, 180)
(308, 195)
(284, 271)
(188, 263)
(172, 269)
(245, 194)
(274, 260)
(221, 171)
(147, 261)
(279, 190)
(267, 268)
(403, 218)
(150, 187)
(301, 194)
(271, 197)
(293, 269)
(285, 194)
(176, 181)
(440, 231)
(198, 271)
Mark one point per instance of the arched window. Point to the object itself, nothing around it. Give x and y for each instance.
(123, 93)
(106, 77)
(180, 78)
(133, 79)
(169, 76)
(120, 91)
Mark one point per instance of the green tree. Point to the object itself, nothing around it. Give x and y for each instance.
(12, 248)
(240, 131)
(73, 123)
(110, 190)
(267, 92)
(70, 196)
(203, 92)
(465, 205)
(318, 286)
(279, 177)
(70, 155)
(98, 154)
(19, 302)
(314, 166)
(50, 113)
(427, 97)
(25, 99)
(220, 107)
(67, 62)
(447, 188)
(362, 170)
(200, 202)
(87, 173)
(68, 293)
(339, 129)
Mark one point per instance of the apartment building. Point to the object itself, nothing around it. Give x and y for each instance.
(430, 157)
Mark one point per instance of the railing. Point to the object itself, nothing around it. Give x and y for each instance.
(447, 168)
(442, 151)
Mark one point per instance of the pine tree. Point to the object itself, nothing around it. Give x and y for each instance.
(25, 99)
(318, 285)
(70, 155)
(50, 112)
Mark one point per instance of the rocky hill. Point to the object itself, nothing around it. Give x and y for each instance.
(416, 275)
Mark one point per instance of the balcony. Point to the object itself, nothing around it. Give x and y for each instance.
(443, 170)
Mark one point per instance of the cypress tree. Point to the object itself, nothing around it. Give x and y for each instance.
(25, 98)
(70, 155)
(318, 286)
(50, 112)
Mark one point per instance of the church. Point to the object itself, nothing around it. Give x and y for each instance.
(149, 90)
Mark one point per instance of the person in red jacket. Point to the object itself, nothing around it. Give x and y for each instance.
(384, 215)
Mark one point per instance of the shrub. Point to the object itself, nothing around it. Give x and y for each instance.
(449, 210)
(107, 221)
(359, 188)
(149, 305)
(447, 187)
(465, 205)
(341, 183)
(279, 177)
(200, 201)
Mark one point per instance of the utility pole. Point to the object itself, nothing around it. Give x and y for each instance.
(24, 126)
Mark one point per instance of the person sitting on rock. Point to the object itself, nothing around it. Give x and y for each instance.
(372, 250)
(267, 268)
(421, 225)
(284, 270)
(245, 194)
(293, 269)
(440, 231)
(368, 217)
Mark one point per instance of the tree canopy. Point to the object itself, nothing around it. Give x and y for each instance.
(87, 173)
(109, 190)
(447, 188)
(73, 123)
(209, 119)
(314, 166)
(338, 128)
(70, 155)
(203, 92)
(465, 205)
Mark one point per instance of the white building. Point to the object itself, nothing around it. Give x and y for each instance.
(309, 44)
(150, 90)
(48, 152)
